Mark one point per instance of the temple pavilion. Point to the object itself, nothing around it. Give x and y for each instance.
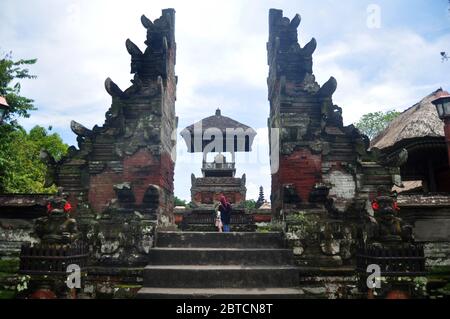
(218, 134)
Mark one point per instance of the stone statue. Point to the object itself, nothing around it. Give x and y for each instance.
(58, 227)
(387, 225)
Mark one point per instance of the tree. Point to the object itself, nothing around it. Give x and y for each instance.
(249, 204)
(179, 202)
(371, 124)
(10, 71)
(21, 170)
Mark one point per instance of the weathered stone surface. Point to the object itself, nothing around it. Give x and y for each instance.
(135, 144)
(438, 254)
(324, 178)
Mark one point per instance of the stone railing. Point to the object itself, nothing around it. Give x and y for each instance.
(192, 219)
(218, 166)
(51, 259)
(393, 261)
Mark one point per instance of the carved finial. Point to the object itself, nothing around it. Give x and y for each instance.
(296, 21)
(147, 23)
(396, 160)
(328, 88)
(310, 47)
(79, 129)
(132, 48)
(112, 88)
(218, 113)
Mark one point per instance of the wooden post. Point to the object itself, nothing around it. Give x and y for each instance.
(447, 136)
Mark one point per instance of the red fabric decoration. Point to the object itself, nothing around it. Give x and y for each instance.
(395, 205)
(375, 205)
(224, 201)
(67, 207)
(49, 208)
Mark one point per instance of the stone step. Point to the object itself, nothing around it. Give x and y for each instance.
(220, 256)
(220, 276)
(218, 240)
(212, 228)
(342, 150)
(341, 157)
(10, 248)
(220, 293)
(341, 144)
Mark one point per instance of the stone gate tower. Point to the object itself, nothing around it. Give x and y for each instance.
(324, 178)
(314, 157)
(128, 162)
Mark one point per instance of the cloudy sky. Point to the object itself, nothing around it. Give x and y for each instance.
(384, 55)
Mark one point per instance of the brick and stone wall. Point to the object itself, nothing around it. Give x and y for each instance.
(120, 178)
(314, 147)
(324, 177)
(207, 190)
(136, 143)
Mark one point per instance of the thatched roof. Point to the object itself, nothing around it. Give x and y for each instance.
(420, 120)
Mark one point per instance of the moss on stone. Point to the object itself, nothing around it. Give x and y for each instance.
(7, 294)
(9, 265)
(440, 270)
(445, 290)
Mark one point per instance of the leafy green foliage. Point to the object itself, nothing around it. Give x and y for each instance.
(21, 170)
(10, 71)
(273, 226)
(303, 225)
(371, 124)
(249, 204)
(179, 202)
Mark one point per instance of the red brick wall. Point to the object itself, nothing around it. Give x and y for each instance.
(101, 189)
(209, 197)
(302, 169)
(140, 169)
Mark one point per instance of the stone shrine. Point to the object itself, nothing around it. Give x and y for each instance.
(214, 134)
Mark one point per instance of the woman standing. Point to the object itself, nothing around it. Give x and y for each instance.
(225, 213)
(218, 222)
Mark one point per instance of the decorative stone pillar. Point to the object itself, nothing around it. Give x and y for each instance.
(120, 178)
(136, 144)
(323, 175)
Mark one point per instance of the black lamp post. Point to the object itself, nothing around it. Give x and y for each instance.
(4, 107)
(442, 104)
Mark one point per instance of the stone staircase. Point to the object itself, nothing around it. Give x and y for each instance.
(220, 265)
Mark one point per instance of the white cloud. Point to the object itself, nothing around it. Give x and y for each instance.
(382, 70)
